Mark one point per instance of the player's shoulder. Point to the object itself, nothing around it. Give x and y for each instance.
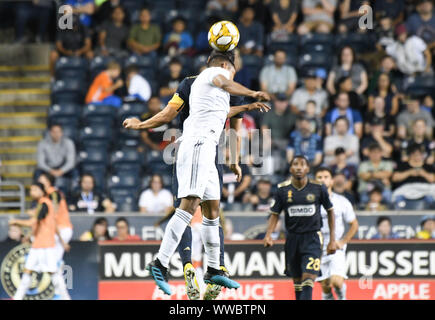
(187, 81)
(284, 184)
(340, 199)
(315, 184)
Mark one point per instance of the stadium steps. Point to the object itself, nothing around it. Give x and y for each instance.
(24, 103)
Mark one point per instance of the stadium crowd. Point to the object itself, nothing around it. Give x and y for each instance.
(358, 100)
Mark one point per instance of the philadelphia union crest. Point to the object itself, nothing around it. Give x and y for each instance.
(11, 271)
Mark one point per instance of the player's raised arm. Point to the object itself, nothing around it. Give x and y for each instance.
(237, 89)
(248, 107)
(161, 118)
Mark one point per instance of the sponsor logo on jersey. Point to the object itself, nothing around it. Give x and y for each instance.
(302, 210)
(11, 271)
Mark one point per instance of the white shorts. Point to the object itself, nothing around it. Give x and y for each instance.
(333, 265)
(66, 235)
(197, 174)
(41, 260)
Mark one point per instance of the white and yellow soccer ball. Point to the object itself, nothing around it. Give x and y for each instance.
(223, 36)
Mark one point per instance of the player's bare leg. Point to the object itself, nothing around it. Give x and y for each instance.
(327, 290)
(211, 239)
(339, 286)
(307, 286)
(174, 230)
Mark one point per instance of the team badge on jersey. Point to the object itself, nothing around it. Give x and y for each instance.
(311, 197)
(11, 271)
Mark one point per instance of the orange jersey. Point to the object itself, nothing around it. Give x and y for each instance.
(45, 228)
(97, 91)
(197, 217)
(59, 203)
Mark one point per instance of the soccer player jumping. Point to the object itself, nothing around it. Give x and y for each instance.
(301, 199)
(196, 170)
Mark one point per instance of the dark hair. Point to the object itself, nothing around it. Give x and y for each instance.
(340, 62)
(376, 189)
(300, 156)
(340, 81)
(217, 57)
(280, 50)
(87, 174)
(49, 177)
(131, 68)
(156, 175)
(339, 150)
(40, 186)
(54, 124)
(175, 61)
(413, 147)
(342, 118)
(122, 219)
(374, 146)
(321, 169)
(101, 220)
(382, 219)
(311, 101)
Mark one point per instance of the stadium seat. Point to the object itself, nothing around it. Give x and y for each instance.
(93, 156)
(291, 46)
(64, 184)
(167, 181)
(98, 171)
(70, 130)
(314, 60)
(95, 136)
(199, 61)
(71, 68)
(64, 113)
(131, 109)
(415, 205)
(420, 85)
(358, 41)
(154, 163)
(123, 180)
(125, 160)
(125, 200)
(97, 65)
(317, 43)
(145, 64)
(253, 63)
(127, 138)
(68, 91)
(98, 114)
(186, 61)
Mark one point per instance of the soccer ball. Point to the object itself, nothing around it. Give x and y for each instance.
(223, 36)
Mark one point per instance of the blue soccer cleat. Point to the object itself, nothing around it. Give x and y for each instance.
(219, 277)
(160, 276)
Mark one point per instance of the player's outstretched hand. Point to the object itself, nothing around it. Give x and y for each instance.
(268, 242)
(259, 106)
(261, 96)
(235, 168)
(331, 248)
(131, 123)
(66, 247)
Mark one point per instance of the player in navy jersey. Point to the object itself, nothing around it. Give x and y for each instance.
(179, 106)
(300, 200)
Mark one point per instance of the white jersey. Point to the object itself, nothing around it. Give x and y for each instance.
(209, 106)
(344, 214)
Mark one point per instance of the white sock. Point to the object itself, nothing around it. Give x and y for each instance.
(211, 240)
(60, 285)
(173, 233)
(327, 296)
(23, 287)
(341, 293)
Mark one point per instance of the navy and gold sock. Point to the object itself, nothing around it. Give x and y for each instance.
(307, 289)
(298, 290)
(185, 246)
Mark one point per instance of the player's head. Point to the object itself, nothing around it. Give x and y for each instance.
(324, 175)
(299, 167)
(222, 59)
(37, 191)
(47, 179)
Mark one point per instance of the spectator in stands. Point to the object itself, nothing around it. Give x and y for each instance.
(277, 234)
(229, 231)
(104, 10)
(56, 154)
(178, 40)
(389, 67)
(385, 91)
(303, 142)
(262, 198)
(103, 87)
(310, 91)
(341, 138)
(155, 199)
(261, 11)
(113, 34)
(88, 200)
(344, 109)
(99, 231)
(342, 165)
(169, 82)
(284, 15)
(233, 191)
(376, 135)
(395, 9)
(428, 104)
(252, 40)
(280, 120)
(222, 8)
(153, 138)
(137, 86)
(378, 115)
(340, 187)
(315, 120)
(349, 15)
(145, 37)
(344, 84)
(422, 23)
(278, 77)
(75, 42)
(414, 180)
(243, 76)
(384, 227)
(201, 41)
(427, 225)
(375, 201)
(318, 16)
(84, 9)
(123, 231)
(32, 10)
(347, 66)
(418, 137)
(15, 235)
(410, 53)
(408, 116)
(373, 173)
